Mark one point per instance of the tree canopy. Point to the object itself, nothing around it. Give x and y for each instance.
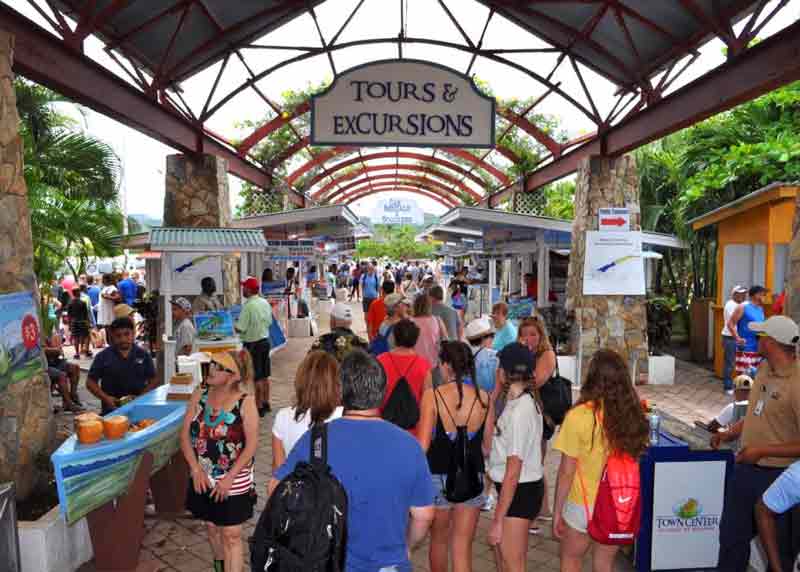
(395, 243)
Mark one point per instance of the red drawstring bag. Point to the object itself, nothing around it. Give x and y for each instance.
(618, 507)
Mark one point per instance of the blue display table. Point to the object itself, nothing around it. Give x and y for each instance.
(683, 492)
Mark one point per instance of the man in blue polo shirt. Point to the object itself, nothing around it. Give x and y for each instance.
(122, 369)
(387, 479)
(370, 283)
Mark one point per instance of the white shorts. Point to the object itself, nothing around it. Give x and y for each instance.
(575, 516)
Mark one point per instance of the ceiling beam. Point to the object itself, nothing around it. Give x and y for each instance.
(766, 66)
(45, 59)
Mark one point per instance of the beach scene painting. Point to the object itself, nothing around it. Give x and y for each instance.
(20, 339)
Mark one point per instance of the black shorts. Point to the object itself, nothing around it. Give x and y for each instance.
(79, 328)
(527, 501)
(232, 511)
(259, 352)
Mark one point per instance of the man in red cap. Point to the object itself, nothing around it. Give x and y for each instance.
(253, 327)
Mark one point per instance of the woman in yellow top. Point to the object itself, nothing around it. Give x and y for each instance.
(608, 417)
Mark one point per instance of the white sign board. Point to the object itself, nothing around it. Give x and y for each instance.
(686, 514)
(614, 220)
(187, 270)
(397, 211)
(405, 103)
(613, 264)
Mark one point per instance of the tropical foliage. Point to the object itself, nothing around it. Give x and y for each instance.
(709, 165)
(395, 243)
(72, 181)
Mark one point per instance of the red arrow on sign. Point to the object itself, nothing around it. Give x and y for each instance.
(619, 221)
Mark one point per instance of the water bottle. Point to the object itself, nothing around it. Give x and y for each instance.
(655, 426)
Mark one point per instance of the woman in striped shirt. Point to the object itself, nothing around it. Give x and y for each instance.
(219, 439)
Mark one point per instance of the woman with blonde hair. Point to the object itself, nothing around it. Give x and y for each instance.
(218, 439)
(318, 395)
(608, 418)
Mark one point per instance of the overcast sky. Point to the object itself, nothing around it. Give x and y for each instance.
(144, 158)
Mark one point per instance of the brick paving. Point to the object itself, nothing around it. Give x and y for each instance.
(181, 544)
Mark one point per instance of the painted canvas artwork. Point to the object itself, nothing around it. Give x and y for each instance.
(20, 340)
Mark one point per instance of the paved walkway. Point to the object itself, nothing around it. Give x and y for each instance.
(181, 545)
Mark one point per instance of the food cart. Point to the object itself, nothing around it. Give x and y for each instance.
(106, 481)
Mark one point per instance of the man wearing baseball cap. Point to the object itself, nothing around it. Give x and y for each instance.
(770, 439)
(730, 335)
(341, 340)
(253, 327)
(185, 334)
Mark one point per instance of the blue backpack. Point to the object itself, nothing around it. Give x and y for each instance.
(380, 345)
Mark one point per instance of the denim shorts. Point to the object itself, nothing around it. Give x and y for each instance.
(439, 501)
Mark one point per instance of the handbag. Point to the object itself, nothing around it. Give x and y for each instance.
(556, 397)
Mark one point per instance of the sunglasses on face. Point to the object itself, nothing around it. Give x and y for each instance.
(218, 367)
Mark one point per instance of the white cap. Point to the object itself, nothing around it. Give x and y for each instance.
(478, 328)
(780, 328)
(738, 289)
(342, 311)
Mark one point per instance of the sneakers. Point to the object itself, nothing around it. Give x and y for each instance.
(534, 530)
(489, 503)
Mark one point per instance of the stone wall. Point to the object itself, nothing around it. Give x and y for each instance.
(26, 423)
(196, 195)
(613, 322)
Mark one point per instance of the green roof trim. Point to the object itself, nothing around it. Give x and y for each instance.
(168, 238)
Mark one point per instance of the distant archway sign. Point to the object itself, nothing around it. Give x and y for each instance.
(408, 103)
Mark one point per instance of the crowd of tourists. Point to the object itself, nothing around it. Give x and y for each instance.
(450, 419)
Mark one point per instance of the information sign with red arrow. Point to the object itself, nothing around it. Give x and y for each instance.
(614, 219)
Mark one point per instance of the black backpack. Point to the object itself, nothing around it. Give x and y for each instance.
(556, 398)
(304, 525)
(463, 481)
(402, 408)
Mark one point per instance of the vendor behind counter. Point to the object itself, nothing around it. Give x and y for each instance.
(123, 369)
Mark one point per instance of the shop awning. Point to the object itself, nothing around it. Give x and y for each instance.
(331, 221)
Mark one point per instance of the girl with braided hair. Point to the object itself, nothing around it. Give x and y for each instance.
(456, 403)
(515, 463)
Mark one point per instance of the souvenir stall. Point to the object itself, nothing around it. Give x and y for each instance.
(187, 255)
(532, 254)
(304, 239)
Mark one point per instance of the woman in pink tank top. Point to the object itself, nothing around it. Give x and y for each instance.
(431, 330)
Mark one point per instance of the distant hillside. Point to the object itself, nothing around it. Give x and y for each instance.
(144, 221)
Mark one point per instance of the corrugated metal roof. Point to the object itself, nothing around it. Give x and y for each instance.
(166, 238)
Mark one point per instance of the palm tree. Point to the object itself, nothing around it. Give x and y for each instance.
(73, 185)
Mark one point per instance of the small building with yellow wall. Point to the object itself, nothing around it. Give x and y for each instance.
(753, 238)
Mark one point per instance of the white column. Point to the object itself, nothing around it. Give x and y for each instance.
(492, 279)
(542, 271)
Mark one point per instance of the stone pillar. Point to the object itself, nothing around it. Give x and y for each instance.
(26, 422)
(196, 195)
(612, 322)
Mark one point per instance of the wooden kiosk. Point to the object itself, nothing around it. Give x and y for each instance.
(753, 238)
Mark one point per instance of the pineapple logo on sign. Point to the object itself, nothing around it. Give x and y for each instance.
(687, 516)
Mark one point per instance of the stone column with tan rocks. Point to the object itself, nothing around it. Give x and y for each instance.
(613, 322)
(196, 195)
(26, 420)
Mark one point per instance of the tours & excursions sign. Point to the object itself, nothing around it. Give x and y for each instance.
(403, 103)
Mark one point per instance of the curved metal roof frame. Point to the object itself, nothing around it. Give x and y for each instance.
(319, 194)
(368, 191)
(413, 180)
(159, 44)
(421, 157)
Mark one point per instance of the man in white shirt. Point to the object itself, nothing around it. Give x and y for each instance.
(729, 336)
(109, 296)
